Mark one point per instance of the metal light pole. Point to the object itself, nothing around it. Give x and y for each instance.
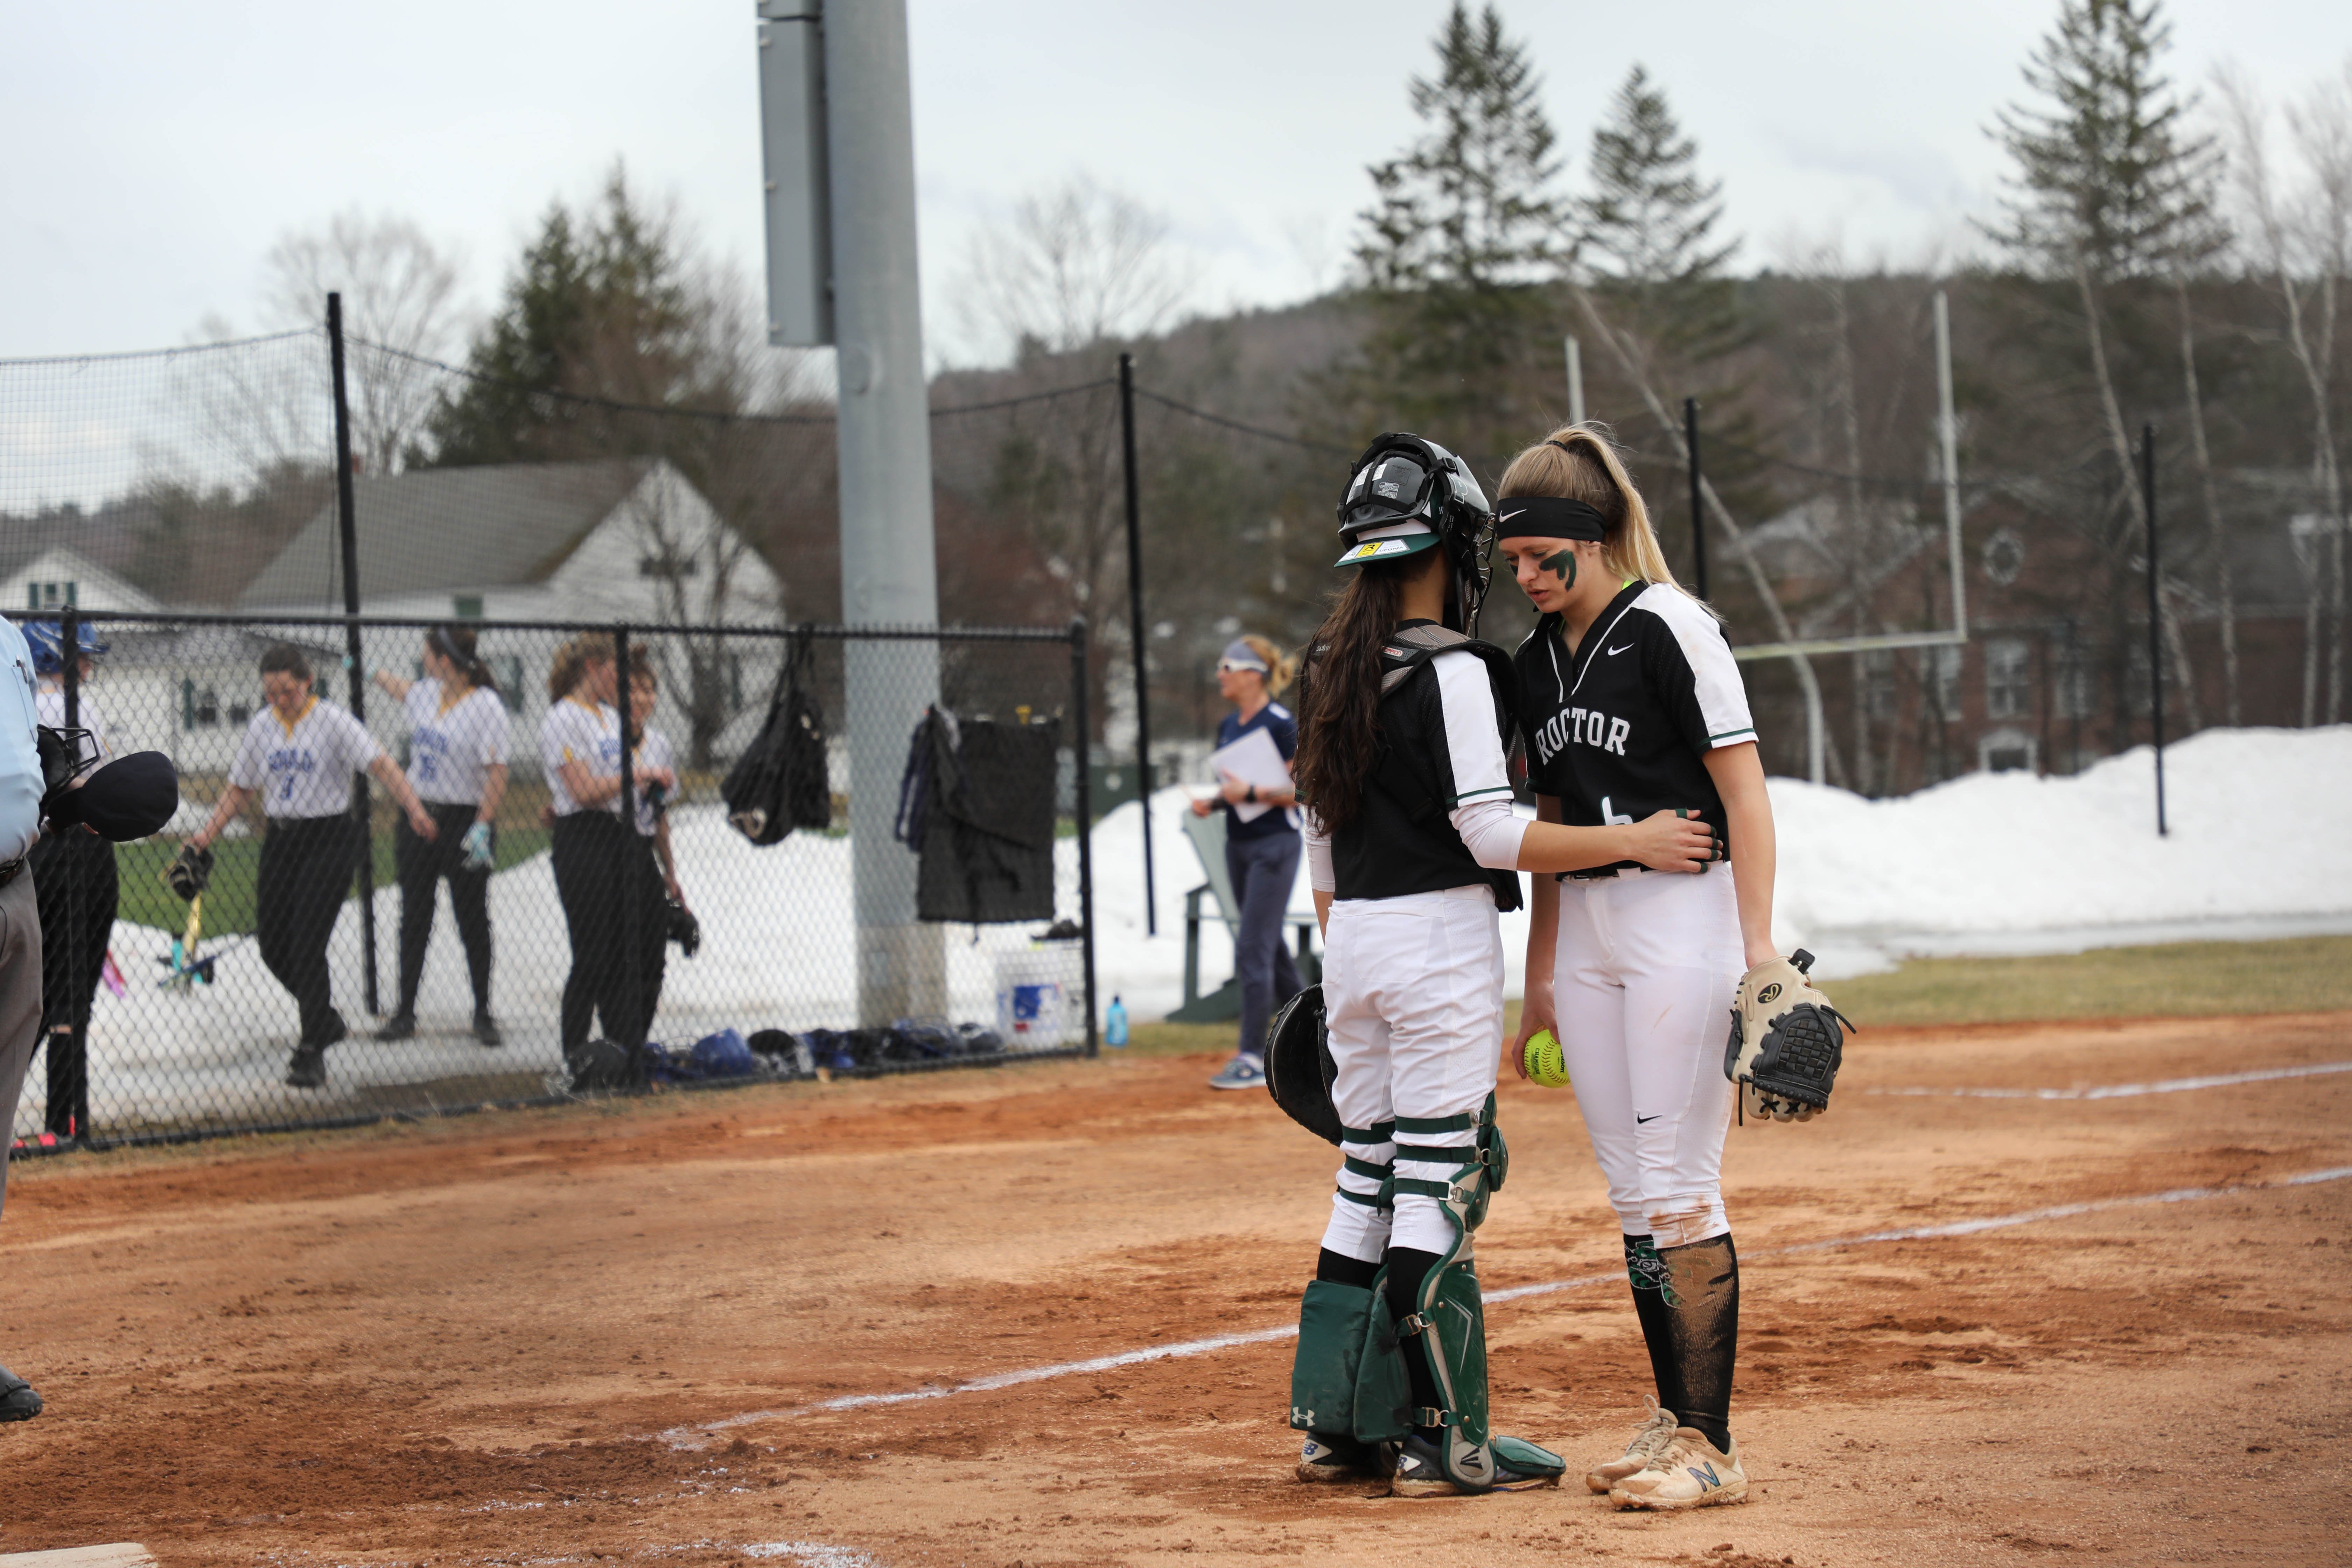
(889, 568)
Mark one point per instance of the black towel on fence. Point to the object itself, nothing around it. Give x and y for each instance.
(977, 804)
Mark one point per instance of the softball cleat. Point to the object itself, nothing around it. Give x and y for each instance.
(1689, 1473)
(1421, 1472)
(1649, 1441)
(1344, 1460)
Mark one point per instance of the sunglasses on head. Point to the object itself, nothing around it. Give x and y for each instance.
(1224, 665)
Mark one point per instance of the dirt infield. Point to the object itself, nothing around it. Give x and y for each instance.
(585, 1334)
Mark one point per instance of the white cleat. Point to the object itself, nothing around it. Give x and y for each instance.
(1649, 1441)
(1689, 1473)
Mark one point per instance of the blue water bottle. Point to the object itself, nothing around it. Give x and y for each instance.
(1115, 1024)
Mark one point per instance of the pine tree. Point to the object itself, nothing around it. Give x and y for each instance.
(597, 307)
(1651, 218)
(1647, 242)
(1455, 257)
(2109, 182)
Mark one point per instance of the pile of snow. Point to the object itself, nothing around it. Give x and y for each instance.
(2260, 845)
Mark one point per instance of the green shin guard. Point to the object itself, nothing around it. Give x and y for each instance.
(1348, 1379)
(1448, 1325)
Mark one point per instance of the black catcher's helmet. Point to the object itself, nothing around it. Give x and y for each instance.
(1407, 495)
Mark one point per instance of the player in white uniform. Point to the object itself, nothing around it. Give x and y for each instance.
(652, 761)
(75, 885)
(1632, 703)
(457, 765)
(1413, 849)
(594, 855)
(298, 755)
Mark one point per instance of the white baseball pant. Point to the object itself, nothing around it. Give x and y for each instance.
(1413, 988)
(1642, 983)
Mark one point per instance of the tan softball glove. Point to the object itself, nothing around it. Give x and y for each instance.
(1786, 1042)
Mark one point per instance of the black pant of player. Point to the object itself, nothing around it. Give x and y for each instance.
(604, 873)
(420, 864)
(75, 888)
(306, 866)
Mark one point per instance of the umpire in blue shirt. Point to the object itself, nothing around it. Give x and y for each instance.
(20, 920)
(1262, 854)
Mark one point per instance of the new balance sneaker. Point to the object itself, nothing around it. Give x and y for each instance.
(1689, 1473)
(1241, 1072)
(308, 1068)
(1343, 1459)
(1421, 1473)
(1649, 1441)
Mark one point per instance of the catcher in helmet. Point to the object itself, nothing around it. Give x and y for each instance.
(1413, 851)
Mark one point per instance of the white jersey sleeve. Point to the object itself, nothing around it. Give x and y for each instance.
(343, 741)
(250, 768)
(1481, 807)
(1705, 695)
(1319, 875)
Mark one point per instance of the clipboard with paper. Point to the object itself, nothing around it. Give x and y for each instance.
(1254, 759)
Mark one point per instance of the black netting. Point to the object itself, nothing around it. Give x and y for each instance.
(192, 1027)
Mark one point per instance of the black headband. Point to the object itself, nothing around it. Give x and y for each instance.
(1548, 517)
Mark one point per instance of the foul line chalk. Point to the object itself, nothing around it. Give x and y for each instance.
(691, 1437)
(2126, 1091)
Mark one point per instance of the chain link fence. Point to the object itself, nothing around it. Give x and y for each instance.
(170, 1019)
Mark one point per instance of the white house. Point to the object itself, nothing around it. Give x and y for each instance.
(51, 577)
(627, 538)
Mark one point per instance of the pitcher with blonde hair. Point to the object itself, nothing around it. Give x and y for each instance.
(1630, 704)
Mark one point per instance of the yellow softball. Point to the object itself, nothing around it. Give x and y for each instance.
(1542, 1059)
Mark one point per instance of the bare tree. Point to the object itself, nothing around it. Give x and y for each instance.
(1077, 264)
(400, 293)
(2301, 240)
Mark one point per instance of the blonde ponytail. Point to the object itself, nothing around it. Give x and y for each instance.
(1280, 668)
(1583, 462)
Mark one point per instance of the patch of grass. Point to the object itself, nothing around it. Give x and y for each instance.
(147, 900)
(2197, 979)
(2178, 980)
(1178, 1040)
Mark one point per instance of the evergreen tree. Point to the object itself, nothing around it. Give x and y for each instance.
(598, 308)
(1455, 257)
(1646, 239)
(1649, 218)
(2109, 182)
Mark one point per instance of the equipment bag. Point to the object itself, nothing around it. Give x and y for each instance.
(778, 782)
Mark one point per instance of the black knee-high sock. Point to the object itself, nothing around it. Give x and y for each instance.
(1702, 1291)
(1407, 1270)
(1653, 1305)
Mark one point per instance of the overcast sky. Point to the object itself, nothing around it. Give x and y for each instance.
(155, 152)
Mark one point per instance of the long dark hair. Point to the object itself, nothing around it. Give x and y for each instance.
(455, 644)
(1339, 691)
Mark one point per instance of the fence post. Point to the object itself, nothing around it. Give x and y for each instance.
(70, 681)
(626, 884)
(1085, 806)
(1698, 515)
(1135, 621)
(2155, 615)
(347, 523)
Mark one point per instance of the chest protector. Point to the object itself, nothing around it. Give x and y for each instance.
(1402, 841)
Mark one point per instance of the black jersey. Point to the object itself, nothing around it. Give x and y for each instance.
(1443, 730)
(1619, 731)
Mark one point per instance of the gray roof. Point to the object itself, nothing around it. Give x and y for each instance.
(437, 530)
